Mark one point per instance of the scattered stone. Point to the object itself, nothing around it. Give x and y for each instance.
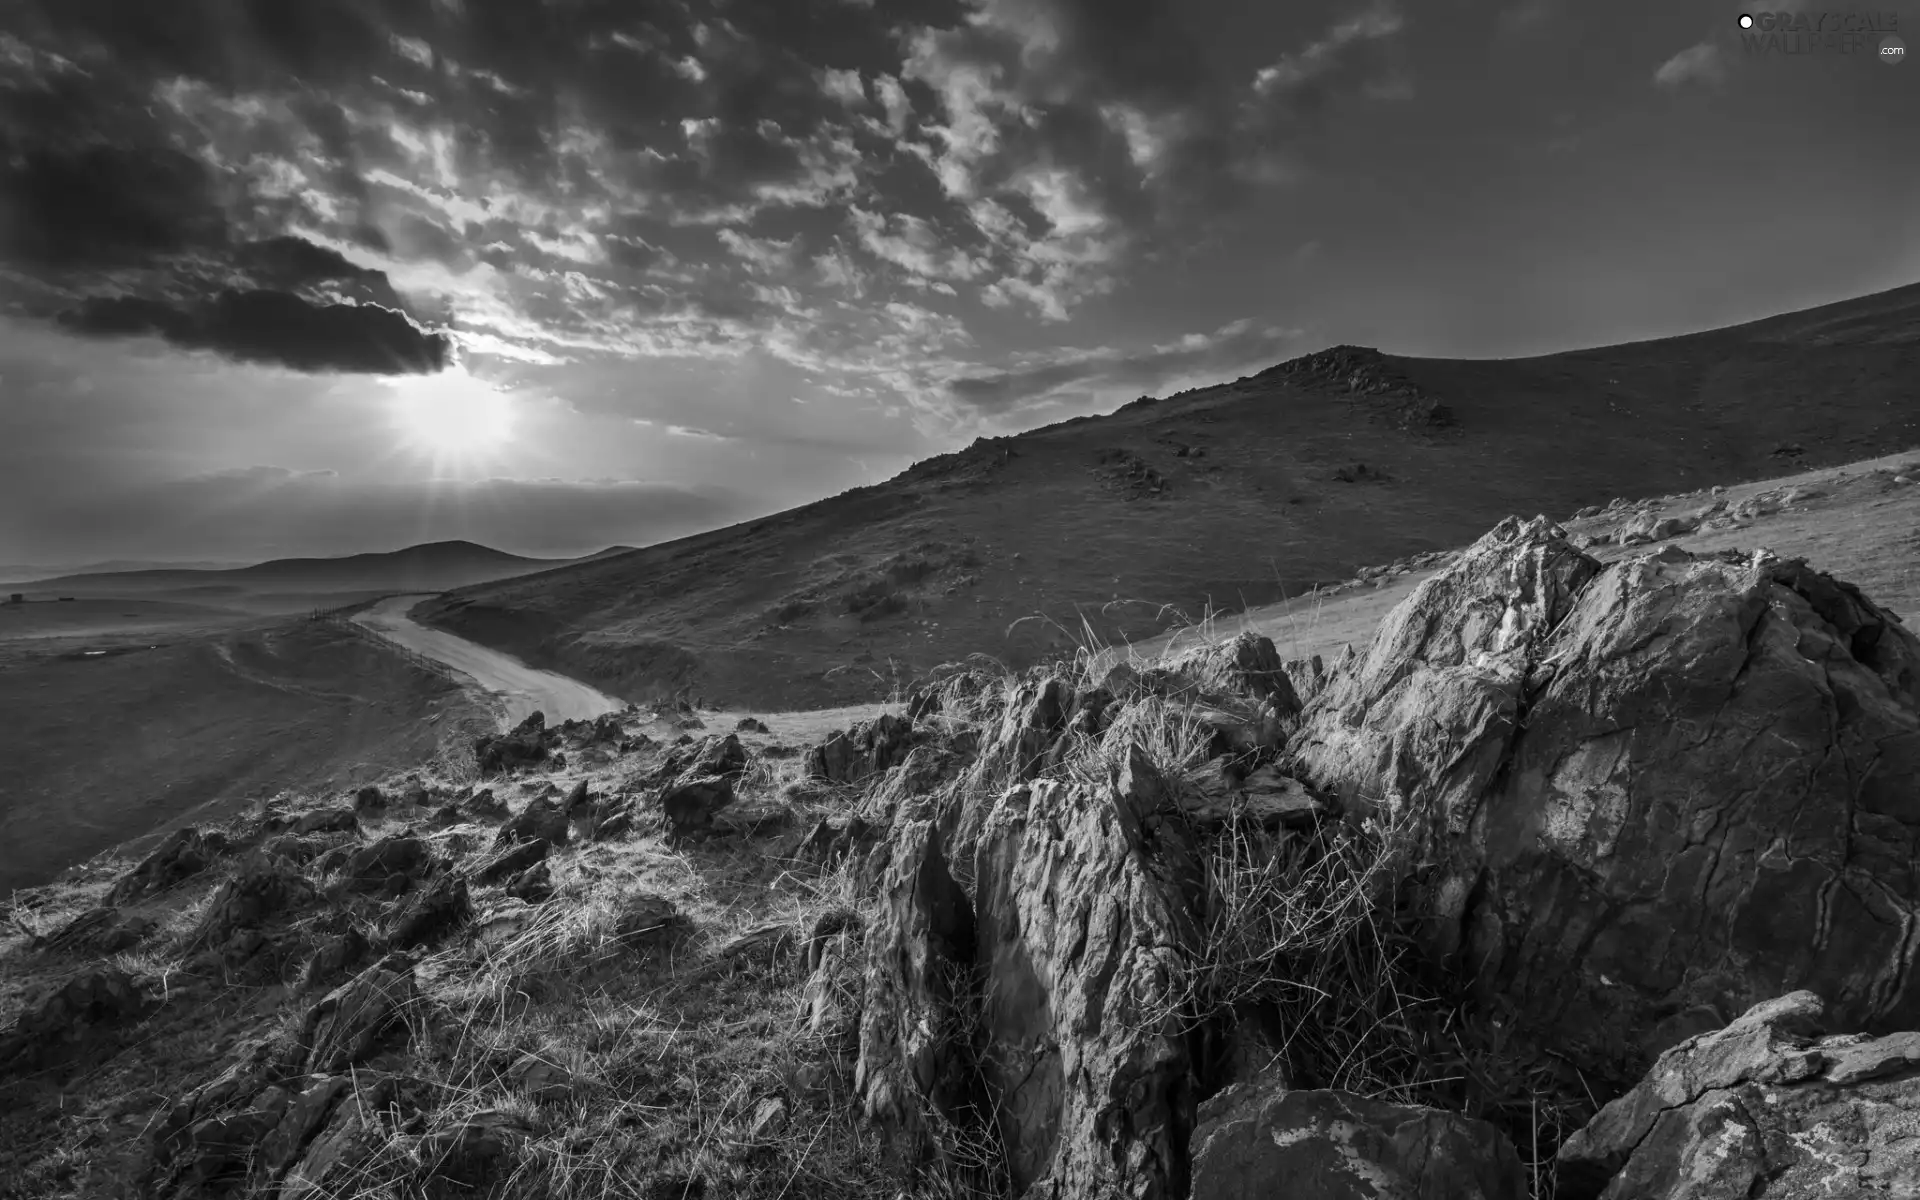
(578, 797)
(1329, 1145)
(752, 725)
(262, 891)
(369, 799)
(646, 919)
(184, 854)
(769, 1119)
(614, 827)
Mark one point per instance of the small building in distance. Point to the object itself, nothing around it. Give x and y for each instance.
(17, 598)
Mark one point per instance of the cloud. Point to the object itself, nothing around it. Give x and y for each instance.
(276, 328)
(1088, 374)
(1320, 58)
(1701, 62)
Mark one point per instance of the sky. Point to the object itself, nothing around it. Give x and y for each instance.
(287, 279)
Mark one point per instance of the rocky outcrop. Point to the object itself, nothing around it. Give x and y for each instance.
(245, 920)
(1248, 666)
(338, 819)
(1330, 1145)
(865, 750)
(1764, 1106)
(513, 860)
(1649, 795)
(540, 821)
(400, 854)
(525, 745)
(184, 854)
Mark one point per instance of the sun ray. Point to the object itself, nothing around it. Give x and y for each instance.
(454, 420)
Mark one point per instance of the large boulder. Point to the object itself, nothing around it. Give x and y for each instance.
(1066, 958)
(1764, 1106)
(1329, 1145)
(184, 854)
(1649, 795)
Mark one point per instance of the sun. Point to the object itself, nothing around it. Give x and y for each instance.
(452, 418)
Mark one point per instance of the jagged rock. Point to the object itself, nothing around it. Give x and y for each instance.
(1266, 797)
(348, 1023)
(446, 817)
(262, 891)
(1671, 787)
(415, 795)
(64, 1013)
(512, 861)
(540, 821)
(835, 838)
(334, 958)
(400, 854)
(183, 1162)
(1308, 676)
(101, 931)
(326, 820)
(1034, 717)
(1066, 958)
(769, 1118)
(752, 725)
(578, 797)
(311, 1102)
(758, 818)
(533, 885)
(369, 799)
(475, 1152)
(691, 803)
(1657, 529)
(1328, 1145)
(1248, 666)
(184, 854)
(1764, 1106)
(868, 748)
(366, 1119)
(525, 745)
(432, 914)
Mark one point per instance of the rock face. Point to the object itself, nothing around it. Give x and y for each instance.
(1330, 1145)
(101, 931)
(1763, 1107)
(184, 854)
(1065, 958)
(1249, 665)
(1651, 795)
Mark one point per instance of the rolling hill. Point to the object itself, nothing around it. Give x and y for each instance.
(294, 583)
(1225, 497)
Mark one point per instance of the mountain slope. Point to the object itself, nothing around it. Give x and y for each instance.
(432, 566)
(1226, 496)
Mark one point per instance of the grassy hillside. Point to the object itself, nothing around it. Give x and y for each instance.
(1228, 496)
(109, 744)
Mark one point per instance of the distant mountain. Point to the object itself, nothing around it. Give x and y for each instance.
(432, 567)
(45, 570)
(1225, 497)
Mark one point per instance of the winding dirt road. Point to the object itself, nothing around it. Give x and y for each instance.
(519, 688)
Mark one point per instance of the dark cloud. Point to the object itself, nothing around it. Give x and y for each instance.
(1236, 346)
(277, 328)
(104, 206)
